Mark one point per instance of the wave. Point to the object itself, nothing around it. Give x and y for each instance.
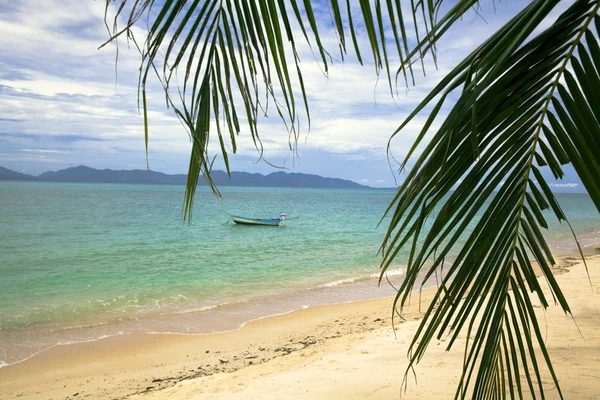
(200, 309)
(390, 273)
(347, 281)
(60, 343)
(344, 281)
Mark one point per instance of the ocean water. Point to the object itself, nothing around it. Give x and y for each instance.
(80, 262)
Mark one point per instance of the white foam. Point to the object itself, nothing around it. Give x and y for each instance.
(227, 330)
(201, 309)
(393, 272)
(346, 281)
(69, 342)
(205, 308)
(341, 282)
(61, 343)
(267, 316)
(187, 333)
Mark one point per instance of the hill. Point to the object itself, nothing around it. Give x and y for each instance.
(85, 174)
(9, 175)
(91, 175)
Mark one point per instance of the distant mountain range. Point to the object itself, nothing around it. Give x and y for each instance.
(91, 175)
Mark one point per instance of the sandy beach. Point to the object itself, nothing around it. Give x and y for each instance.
(347, 351)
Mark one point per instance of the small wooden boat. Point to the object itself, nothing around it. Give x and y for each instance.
(258, 221)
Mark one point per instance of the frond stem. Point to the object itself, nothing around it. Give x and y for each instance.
(564, 65)
(544, 110)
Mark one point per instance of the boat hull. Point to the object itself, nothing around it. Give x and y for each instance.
(255, 221)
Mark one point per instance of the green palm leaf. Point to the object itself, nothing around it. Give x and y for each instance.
(239, 52)
(482, 166)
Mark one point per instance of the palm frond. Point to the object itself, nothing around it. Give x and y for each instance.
(238, 57)
(482, 169)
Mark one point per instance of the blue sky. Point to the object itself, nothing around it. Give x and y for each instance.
(63, 104)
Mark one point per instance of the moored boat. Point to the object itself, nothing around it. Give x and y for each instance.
(258, 221)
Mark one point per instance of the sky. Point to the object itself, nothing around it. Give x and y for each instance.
(64, 102)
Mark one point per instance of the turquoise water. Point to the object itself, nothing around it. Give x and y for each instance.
(82, 261)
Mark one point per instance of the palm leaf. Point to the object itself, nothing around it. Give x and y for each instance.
(482, 169)
(247, 51)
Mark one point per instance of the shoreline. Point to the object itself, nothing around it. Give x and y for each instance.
(258, 342)
(151, 365)
(219, 318)
(232, 315)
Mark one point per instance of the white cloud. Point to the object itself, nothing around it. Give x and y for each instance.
(564, 185)
(36, 83)
(41, 151)
(60, 98)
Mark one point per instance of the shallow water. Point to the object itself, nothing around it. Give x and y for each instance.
(84, 261)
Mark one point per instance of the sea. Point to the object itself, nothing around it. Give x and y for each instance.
(82, 262)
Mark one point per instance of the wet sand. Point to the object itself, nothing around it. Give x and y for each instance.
(345, 351)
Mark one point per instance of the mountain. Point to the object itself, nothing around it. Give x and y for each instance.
(8, 175)
(282, 179)
(91, 175)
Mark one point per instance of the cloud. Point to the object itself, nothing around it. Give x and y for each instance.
(42, 151)
(63, 103)
(564, 185)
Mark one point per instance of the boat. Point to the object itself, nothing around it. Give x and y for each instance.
(258, 221)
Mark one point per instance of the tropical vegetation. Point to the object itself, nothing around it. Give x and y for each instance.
(525, 100)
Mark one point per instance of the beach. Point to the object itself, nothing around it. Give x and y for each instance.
(374, 261)
(337, 351)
